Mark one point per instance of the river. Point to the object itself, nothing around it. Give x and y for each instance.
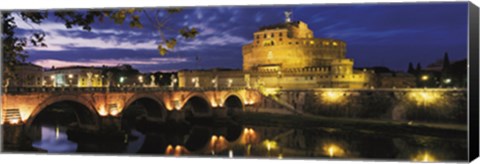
(233, 139)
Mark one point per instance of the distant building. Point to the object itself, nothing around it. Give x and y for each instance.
(287, 56)
(395, 80)
(26, 75)
(443, 73)
(74, 76)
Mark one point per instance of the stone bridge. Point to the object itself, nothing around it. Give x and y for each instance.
(24, 105)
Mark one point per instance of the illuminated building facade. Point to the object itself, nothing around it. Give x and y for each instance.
(288, 56)
(215, 78)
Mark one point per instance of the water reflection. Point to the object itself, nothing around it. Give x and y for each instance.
(179, 150)
(258, 141)
(55, 140)
(424, 156)
(217, 144)
(135, 145)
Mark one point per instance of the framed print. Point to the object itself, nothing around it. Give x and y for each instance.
(358, 82)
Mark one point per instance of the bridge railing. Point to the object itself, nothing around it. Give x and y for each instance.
(113, 89)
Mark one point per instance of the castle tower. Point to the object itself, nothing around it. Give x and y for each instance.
(291, 47)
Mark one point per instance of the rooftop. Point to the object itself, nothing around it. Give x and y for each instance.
(73, 67)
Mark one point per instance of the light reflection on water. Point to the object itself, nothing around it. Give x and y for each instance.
(136, 145)
(270, 142)
(55, 140)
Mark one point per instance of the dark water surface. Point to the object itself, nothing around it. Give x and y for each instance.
(235, 140)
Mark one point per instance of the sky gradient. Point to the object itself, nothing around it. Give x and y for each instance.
(389, 35)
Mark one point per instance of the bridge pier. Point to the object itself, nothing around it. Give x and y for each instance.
(219, 112)
(111, 123)
(176, 115)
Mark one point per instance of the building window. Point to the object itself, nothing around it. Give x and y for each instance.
(280, 34)
(272, 35)
(264, 35)
(258, 37)
(335, 44)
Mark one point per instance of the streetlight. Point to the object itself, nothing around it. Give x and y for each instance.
(121, 80)
(140, 79)
(424, 78)
(447, 81)
(70, 77)
(52, 77)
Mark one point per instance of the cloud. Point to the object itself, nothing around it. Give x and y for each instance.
(56, 39)
(48, 63)
(212, 41)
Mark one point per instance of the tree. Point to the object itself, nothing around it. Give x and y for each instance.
(411, 70)
(446, 62)
(13, 49)
(419, 68)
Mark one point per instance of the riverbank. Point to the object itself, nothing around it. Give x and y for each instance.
(369, 126)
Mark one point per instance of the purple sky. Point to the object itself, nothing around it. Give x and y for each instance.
(389, 35)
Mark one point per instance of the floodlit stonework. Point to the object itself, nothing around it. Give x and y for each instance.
(287, 56)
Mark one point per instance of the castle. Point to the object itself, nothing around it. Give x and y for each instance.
(285, 56)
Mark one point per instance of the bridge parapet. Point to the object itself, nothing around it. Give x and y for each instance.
(113, 89)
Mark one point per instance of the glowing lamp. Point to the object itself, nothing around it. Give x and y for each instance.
(424, 77)
(270, 144)
(12, 116)
(447, 81)
(333, 150)
(140, 79)
(14, 121)
(332, 96)
(102, 112)
(113, 108)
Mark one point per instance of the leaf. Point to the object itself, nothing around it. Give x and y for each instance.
(135, 22)
(162, 50)
(188, 33)
(171, 43)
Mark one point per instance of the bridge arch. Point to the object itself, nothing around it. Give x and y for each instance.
(233, 104)
(78, 103)
(197, 105)
(144, 104)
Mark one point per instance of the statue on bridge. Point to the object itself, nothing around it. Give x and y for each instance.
(152, 80)
(173, 80)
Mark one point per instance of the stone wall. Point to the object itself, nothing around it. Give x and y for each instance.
(424, 105)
